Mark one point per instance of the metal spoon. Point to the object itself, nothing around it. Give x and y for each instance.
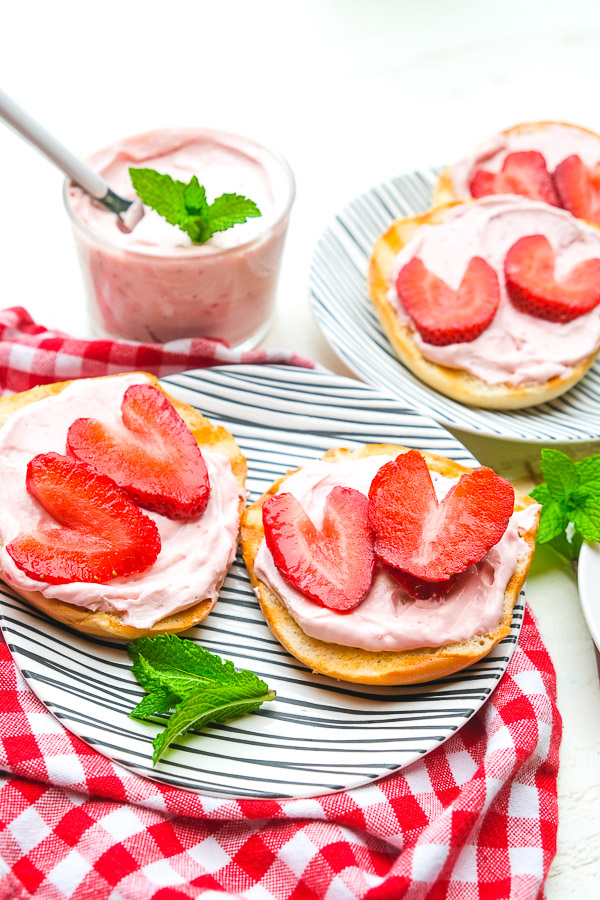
(129, 211)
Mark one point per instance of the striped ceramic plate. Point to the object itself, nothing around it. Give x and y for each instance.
(318, 735)
(345, 314)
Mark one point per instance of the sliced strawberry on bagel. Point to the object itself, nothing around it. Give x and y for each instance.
(523, 173)
(534, 289)
(102, 533)
(335, 565)
(156, 460)
(443, 316)
(579, 188)
(419, 589)
(430, 540)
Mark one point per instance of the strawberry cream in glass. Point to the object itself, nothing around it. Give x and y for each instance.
(153, 283)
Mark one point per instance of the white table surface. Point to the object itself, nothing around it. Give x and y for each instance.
(352, 92)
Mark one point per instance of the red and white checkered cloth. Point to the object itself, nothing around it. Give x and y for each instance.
(31, 354)
(474, 820)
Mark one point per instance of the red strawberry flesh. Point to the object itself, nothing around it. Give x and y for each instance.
(334, 565)
(101, 535)
(418, 588)
(444, 316)
(579, 188)
(155, 459)
(533, 288)
(523, 173)
(430, 540)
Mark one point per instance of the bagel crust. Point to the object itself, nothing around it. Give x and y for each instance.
(107, 624)
(455, 383)
(383, 667)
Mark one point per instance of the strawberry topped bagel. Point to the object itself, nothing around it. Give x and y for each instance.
(120, 505)
(494, 302)
(388, 566)
(552, 162)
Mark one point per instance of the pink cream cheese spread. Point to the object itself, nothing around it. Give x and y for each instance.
(153, 284)
(516, 348)
(195, 554)
(553, 140)
(387, 619)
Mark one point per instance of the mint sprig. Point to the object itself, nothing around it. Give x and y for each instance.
(198, 685)
(570, 500)
(186, 206)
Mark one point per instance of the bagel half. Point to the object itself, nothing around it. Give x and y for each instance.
(456, 383)
(108, 624)
(383, 667)
(444, 192)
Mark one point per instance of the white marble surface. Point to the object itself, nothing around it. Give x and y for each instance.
(352, 92)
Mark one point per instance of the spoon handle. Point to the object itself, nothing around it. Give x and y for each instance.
(15, 116)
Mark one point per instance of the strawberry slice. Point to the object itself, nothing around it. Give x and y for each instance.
(156, 461)
(579, 188)
(522, 173)
(430, 540)
(443, 316)
(334, 566)
(534, 289)
(419, 589)
(103, 534)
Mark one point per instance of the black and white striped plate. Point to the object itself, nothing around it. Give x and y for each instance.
(319, 735)
(350, 324)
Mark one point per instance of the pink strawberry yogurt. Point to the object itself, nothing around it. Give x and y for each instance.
(387, 619)
(516, 348)
(553, 140)
(153, 284)
(195, 554)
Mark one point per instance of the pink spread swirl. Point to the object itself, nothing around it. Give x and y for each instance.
(516, 348)
(553, 140)
(195, 554)
(387, 619)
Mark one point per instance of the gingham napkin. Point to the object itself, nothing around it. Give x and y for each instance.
(476, 819)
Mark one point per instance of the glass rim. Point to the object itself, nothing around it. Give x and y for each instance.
(194, 250)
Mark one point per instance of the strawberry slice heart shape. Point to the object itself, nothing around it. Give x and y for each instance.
(102, 534)
(579, 188)
(444, 316)
(531, 283)
(430, 540)
(155, 459)
(523, 172)
(333, 565)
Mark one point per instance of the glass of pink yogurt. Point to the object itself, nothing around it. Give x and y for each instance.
(153, 284)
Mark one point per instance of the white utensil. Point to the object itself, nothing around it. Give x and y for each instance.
(129, 211)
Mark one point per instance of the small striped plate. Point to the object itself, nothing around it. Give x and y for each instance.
(319, 735)
(350, 324)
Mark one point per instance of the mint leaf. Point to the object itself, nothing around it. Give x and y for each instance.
(586, 519)
(160, 192)
(559, 472)
(569, 549)
(160, 701)
(216, 704)
(540, 493)
(588, 469)
(553, 521)
(185, 205)
(231, 209)
(194, 197)
(199, 685)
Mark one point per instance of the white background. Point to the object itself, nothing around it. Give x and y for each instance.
(352, 92)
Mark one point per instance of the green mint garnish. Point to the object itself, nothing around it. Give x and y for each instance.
(570, 499)
(198, 685)
(185, 205)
